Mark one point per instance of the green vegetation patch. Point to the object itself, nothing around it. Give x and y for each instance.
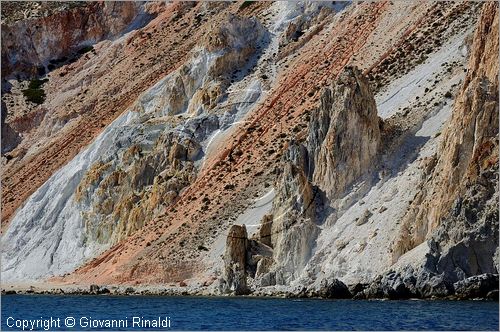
(85, 49)
(246, 4)
(34, 93)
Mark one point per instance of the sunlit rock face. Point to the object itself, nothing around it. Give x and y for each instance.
(458, 207)
(235, 261)
(297, 148)
(133, 171)
(344, 134)
(293, 228)
(343, 141)
(30, 44)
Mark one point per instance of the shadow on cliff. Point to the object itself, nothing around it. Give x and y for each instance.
(405, 153)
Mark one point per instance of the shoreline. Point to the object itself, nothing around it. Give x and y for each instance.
(163, 291)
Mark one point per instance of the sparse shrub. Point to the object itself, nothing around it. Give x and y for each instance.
(34, 93)
(246, 4)
(200, 247)
(85, 49)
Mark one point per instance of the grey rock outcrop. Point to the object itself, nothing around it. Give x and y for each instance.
(333, 289)
(344, 138)
(293, 230)
(344, 133)
(423, 283)
(235, 275)
(477, 286)
(458, 205)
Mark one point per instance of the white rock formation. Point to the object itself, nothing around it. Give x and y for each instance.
(65, 222)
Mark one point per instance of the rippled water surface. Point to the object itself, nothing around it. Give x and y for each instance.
(197, 313)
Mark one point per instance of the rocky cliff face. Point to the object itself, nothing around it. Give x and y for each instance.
(294, 148)
(38, 42)
(139, 165)
(457, 206)
(294, 228)
(342, 143)
(83, 97)
(344, 134)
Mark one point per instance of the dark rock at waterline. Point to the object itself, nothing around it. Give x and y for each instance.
(129, 290)
(425, 284)
(97, 290)
(399, 285)
(104, 291)
(492, 295)
(479, 286)
(357, 288)
(432, 285)
(333, 289)
(94, 289)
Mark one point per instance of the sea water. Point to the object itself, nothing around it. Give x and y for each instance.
(54, 312)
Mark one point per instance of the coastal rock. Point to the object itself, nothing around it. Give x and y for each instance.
(479, 286)
(235, 275)
(294, 206)
(406, 283)
(258, 252)
(398, 285)
(456, 206)
(136, 168)
(358, 288)
(333, 289)
(493, 295)
(430, 285)
(212, 151)
(94, 289)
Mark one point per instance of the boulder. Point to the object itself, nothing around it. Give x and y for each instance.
(477, 286)
(432, 285)
(354, 289)
(493, 295)
(333, 289)
(94, 289)
(129, 290)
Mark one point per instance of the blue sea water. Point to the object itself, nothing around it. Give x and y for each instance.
(201, 313)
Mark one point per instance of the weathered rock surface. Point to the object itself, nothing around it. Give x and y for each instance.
(135, 169)
(410, 283)
(458, 206)
(235, 260)
(294, 226)
(468, 155)
(344, 133)
(477, 286)
(333, 289)
(29, 44)
(247, 132)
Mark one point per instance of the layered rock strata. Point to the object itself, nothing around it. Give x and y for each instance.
(256, 122)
